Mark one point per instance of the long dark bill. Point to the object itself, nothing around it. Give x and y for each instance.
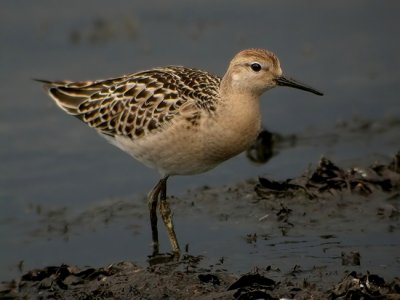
(284, 81)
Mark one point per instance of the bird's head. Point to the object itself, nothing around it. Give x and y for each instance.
(257, 70)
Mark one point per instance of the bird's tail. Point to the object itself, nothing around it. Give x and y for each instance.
(70, 95)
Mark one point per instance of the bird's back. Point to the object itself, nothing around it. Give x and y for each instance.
(137, 104)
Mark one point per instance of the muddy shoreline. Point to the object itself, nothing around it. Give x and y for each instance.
(183, 280)
(329, 201)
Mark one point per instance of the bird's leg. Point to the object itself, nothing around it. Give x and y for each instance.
(152, 203)
(166, 215)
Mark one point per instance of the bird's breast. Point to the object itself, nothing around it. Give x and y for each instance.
(232, 131)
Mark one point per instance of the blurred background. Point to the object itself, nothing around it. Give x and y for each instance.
(51, 161)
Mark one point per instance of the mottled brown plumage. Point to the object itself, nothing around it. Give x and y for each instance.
(134, 105)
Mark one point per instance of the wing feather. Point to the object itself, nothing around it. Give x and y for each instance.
(135, 104)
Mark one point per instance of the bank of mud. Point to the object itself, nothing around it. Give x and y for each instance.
(183, 280)
(322, 209)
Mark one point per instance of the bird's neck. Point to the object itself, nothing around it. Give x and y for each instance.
(237, 102)
(239, 112)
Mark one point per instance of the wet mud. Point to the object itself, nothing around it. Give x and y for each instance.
(183, 280)
(327, 197)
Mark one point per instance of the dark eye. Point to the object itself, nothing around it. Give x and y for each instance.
(256, 67)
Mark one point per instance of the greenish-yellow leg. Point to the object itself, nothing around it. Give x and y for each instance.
(166, 215)
(160, 192)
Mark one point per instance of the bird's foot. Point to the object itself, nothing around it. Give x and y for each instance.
(163, 258)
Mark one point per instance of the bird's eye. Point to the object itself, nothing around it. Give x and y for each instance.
(256, 67)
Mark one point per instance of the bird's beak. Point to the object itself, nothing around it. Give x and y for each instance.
(285, 81)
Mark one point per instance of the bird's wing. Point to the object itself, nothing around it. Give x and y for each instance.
(135, 104)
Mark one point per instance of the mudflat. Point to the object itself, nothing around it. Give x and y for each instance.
(331, 233)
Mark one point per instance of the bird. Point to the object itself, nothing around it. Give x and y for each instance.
(175, 119)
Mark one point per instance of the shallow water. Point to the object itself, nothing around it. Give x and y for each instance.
(50, 161)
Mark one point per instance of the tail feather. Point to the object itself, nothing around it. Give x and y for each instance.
(68, 102)
(70, 95)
